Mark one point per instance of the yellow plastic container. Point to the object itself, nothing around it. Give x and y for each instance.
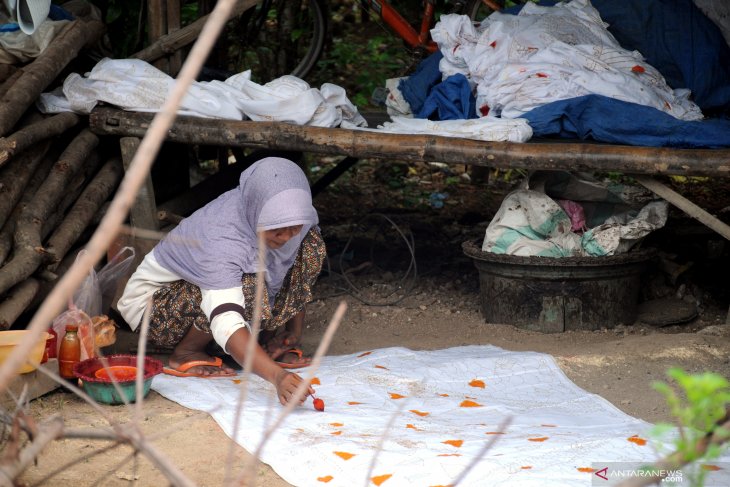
(10, 339)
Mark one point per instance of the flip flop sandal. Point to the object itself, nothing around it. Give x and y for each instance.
(296, 351)
(182, 370)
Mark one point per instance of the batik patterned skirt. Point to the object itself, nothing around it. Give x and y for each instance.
(176, 307)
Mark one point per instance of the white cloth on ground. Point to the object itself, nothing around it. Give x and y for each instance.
(444, 406)
(135, 85)
(546, 54)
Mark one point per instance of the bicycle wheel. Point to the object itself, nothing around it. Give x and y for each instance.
(278, 37)
(477, 10)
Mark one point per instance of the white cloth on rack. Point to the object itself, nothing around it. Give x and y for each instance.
(136, 85)
(545, 54)
(484, 128)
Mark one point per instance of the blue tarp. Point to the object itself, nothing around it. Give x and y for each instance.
(685, 46)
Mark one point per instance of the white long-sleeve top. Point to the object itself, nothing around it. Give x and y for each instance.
(151, 276)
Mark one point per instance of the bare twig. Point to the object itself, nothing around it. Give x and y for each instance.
(49, 431)
(462, 475)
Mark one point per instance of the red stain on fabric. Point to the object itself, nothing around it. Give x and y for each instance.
(493, 44)
(638, 69)
(526, 467)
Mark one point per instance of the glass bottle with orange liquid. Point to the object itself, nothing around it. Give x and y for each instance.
(69, 353)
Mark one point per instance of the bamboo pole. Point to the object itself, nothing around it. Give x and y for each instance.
(451, 150)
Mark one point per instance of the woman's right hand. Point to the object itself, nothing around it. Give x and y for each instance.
(286, 384)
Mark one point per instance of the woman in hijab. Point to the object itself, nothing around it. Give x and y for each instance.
(201, 278)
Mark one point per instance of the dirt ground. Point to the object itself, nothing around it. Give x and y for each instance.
(437, 309)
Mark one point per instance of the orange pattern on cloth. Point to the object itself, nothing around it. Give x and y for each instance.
(586, 469)
(477, 383)
(353, 403)
(337, 425)
(539, 439)
(394, 395)
(526, 467)
(344, 455)
(456, 443)
(378, 480)
(423, 414)
(325, 479)
(315, 381)
(637, 440)
(410, 426)
(364, 354)
(470, 404)
(450, 454)
(710, 468)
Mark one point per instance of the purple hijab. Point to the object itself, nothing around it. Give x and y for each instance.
(217, 244)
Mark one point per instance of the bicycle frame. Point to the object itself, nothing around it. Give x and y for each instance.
(415, 39)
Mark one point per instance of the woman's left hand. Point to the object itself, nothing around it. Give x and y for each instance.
(286, 385)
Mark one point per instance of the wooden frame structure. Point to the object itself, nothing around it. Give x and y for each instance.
(554, 155)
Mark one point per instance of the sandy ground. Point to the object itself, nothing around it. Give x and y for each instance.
(441, 312)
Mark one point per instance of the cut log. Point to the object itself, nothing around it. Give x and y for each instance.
(82, 213)
(15, 177)
(6, 71)
(17, 301)
(6, 84)
(44, 69)
(27, 252)
(568, 156)
(8, 230)
(34, 133)
(173, 41)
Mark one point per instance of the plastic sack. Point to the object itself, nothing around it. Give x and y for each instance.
(91, 299)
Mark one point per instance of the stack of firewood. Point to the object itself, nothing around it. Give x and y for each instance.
(52, 181)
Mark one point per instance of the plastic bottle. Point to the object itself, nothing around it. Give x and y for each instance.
(69, 353)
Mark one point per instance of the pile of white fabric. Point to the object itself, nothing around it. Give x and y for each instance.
(546, 54)
(135, 85)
